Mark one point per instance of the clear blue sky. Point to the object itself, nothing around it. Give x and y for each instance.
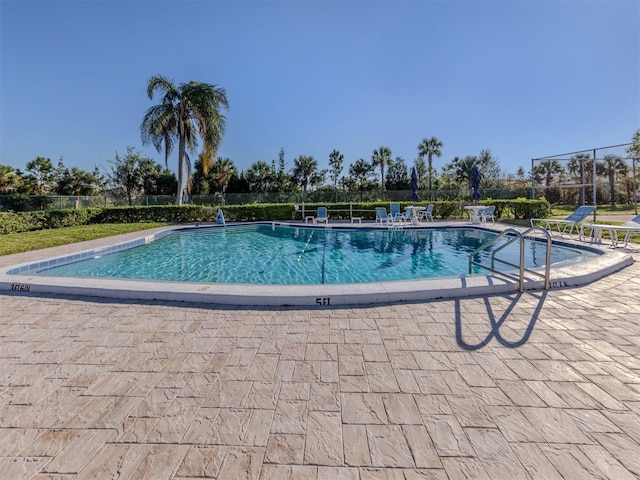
(522, 78)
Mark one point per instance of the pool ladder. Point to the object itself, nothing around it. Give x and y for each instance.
(517, 236)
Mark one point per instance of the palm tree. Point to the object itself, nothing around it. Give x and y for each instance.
(359, 173)
(223, 170)
(634, 153)
(547, 170)
(259, 176)
(430, 147)
(304, 171)
(381, 158)
(610, 167)
(461, 168)
(577, 167)
(335, 162)
(187, 112)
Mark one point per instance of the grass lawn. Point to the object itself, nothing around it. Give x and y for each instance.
(27, 241)
(565, 210)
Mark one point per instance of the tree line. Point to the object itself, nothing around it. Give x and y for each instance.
(133, 174)
(190, 116)
(570, 181)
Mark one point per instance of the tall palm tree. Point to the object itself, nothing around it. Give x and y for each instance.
(188, 111)
(430, 147)
(304, 170)
(381, 158)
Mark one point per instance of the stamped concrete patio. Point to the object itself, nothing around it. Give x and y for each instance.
(532, 386)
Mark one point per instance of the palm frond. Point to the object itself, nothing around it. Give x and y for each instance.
(162, 83)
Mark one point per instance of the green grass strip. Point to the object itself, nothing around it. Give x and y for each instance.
(28, 241)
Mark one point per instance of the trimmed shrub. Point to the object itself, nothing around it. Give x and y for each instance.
(39, 220)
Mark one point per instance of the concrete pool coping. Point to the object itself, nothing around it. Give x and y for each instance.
(296, 295)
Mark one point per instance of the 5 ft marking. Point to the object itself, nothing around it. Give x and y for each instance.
(323, 301)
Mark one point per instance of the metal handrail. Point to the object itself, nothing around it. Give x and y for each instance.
(547, 263)
(517, 236)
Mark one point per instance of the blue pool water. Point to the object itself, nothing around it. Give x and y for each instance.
(271, 254)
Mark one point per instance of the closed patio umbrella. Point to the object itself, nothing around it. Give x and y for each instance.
(414, 185)
(475, 183)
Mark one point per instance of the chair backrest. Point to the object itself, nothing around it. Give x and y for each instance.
(408, 211)
(394, 209)
(490, 210)
(632, 222)
(429, 209)
(381, 212)
(322, 212)
(581, 213)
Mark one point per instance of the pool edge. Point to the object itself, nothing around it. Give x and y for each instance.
(283, 295)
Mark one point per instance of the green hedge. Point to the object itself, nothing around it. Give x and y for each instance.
(520, 208)
(45, 219)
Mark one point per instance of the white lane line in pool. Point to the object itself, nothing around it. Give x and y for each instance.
(305, 247)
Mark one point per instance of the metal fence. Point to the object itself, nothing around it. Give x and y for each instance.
(28, 203)
(583, 177)
(24, 203)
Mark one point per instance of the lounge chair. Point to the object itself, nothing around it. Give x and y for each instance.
(321, 215)
(394, 212)
(395, 215)
(570, 222)
(629, 228)
(381, 216)
(408, 215)
(488, 213)
(426, 215)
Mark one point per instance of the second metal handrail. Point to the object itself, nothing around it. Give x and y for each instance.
(517, 236)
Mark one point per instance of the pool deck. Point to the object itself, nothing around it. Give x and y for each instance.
(539, 385)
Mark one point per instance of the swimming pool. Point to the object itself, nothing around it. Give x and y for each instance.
(286, 255)
(373, 261)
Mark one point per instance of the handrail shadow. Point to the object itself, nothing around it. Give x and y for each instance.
(497, 324)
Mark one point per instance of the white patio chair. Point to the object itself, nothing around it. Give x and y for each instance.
(488, 213)
(382, 217)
